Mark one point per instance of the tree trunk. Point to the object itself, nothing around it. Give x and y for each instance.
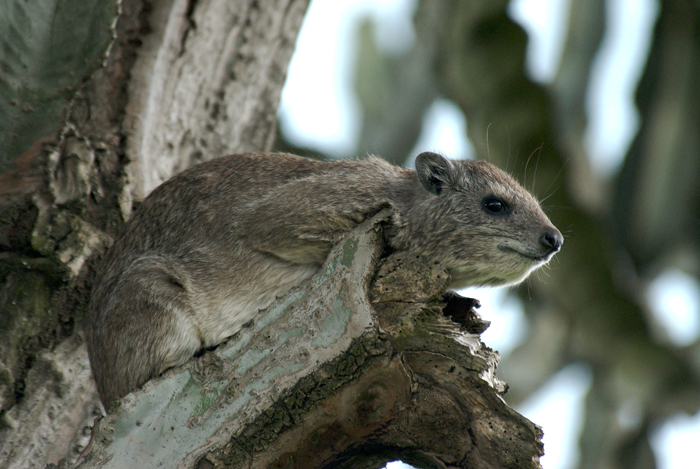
(181, 81)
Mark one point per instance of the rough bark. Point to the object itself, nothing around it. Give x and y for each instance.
(181, 82)
(341, 373)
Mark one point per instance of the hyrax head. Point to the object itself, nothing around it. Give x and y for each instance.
(480, 223)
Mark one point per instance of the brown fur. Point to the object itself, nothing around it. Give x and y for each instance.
(218, 242)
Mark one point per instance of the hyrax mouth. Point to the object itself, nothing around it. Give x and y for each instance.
(534, 258)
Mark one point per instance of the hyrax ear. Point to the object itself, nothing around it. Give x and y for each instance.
(435, 172)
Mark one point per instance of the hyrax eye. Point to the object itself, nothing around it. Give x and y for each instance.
(495, 205)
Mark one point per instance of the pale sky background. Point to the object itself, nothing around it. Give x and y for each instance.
(320, 111)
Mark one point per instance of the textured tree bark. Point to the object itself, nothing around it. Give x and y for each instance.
(351, 370)
(181, 82)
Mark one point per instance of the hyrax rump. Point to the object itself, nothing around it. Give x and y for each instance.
(216, 243)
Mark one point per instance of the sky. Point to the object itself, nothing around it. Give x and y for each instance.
(319, 111)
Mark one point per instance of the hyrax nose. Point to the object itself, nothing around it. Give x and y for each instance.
(552, 239)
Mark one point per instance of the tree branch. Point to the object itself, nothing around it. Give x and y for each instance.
(327, 377)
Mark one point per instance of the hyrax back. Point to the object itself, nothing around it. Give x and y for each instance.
(220, 241)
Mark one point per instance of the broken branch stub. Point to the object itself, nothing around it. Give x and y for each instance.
(343, 372)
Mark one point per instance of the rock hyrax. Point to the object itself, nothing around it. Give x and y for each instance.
(218, 242)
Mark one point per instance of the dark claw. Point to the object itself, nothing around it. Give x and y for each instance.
(462, 310)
